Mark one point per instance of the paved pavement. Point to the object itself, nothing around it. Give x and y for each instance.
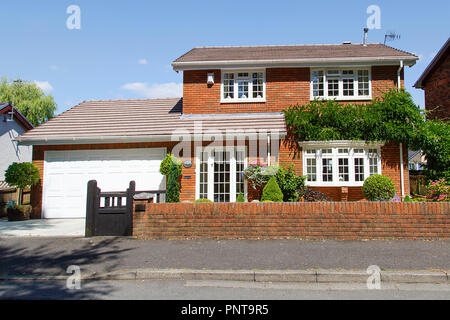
(43, 228)
(213, 290)
(52, 256)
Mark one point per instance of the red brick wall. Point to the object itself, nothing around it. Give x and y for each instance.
(437, 91)
(328, 220)
(284, 87)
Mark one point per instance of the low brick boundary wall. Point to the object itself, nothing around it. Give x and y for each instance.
(327, 220)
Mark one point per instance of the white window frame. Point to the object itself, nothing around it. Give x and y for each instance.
(250, 98)
(335, 156)
(342, 76)
(211, 171)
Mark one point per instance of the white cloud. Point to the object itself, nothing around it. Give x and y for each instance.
(44, 85)
(163, 90)
(143, 61)
(54, 68)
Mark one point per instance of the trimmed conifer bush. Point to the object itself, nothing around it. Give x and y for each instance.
(378, 188)
(272, 191)
(173, 186)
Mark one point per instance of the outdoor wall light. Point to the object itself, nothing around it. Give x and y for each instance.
(210, 79)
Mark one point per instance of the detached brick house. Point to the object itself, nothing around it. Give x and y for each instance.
(232, 91)
(435, 81)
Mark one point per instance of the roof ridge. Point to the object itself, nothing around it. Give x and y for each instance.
(279, 45)
(143, 99)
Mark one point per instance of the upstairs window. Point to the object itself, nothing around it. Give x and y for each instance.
(243, 86)
(341, 84)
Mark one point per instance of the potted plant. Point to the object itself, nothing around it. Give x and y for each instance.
(21, 176)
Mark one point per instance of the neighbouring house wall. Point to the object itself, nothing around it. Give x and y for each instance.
(10, 150)
(284, 87)
(326, 220)
(437, 91)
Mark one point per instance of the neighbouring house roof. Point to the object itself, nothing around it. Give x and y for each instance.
(5, 108)
(440, 56)
(140, 121)
(298, 54)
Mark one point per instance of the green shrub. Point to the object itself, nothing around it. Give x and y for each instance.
(290, 183)
(310, 195)
(166, 164)
(272, 191)
(203, 201)
(378, 188)
(240, 198)
(173, 186)
(22, 175)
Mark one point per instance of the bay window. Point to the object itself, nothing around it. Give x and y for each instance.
(243, 86)
(340, 164)
(341, 84)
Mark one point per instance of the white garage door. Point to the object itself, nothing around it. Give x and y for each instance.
(66, 174)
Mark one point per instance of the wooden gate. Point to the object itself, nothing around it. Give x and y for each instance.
(109, 213)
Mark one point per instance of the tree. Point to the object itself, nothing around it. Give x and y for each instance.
(22, 175)
(29, 99)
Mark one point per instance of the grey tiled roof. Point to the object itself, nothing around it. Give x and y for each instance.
(142, 118)
(291, 52)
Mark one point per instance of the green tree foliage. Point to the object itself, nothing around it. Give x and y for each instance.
(290, 183)
(272, 191)
(173, 185)
(378, 188)
(240, 198)
(434, 140)
(393, 117)
(29, 99)
(22, 175)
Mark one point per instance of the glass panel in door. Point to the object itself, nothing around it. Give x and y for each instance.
(222, 175)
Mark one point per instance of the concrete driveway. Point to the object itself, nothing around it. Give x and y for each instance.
(43, 228)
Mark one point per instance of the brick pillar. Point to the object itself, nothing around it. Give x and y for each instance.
(344, 193)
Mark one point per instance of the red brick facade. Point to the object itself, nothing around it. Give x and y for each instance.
(284, 87)
(437, 91)
(326, 220)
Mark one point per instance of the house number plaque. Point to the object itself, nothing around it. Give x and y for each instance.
(187, 163)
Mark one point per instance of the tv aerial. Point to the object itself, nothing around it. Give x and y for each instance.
(391, 36)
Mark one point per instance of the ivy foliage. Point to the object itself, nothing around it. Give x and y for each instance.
(392, 118)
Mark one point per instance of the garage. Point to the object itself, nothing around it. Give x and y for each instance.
(66, 174)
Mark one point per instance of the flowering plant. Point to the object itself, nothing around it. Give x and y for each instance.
(258, 173)
(438, 191)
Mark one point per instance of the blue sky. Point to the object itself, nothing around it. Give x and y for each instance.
(124, 48)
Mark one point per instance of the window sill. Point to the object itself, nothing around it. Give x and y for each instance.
(342, 98)
(243, 101)
(334, 185)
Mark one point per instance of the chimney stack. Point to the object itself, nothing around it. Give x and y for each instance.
(366, 30)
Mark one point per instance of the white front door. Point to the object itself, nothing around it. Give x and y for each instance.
(66, 174)
(220, 173)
